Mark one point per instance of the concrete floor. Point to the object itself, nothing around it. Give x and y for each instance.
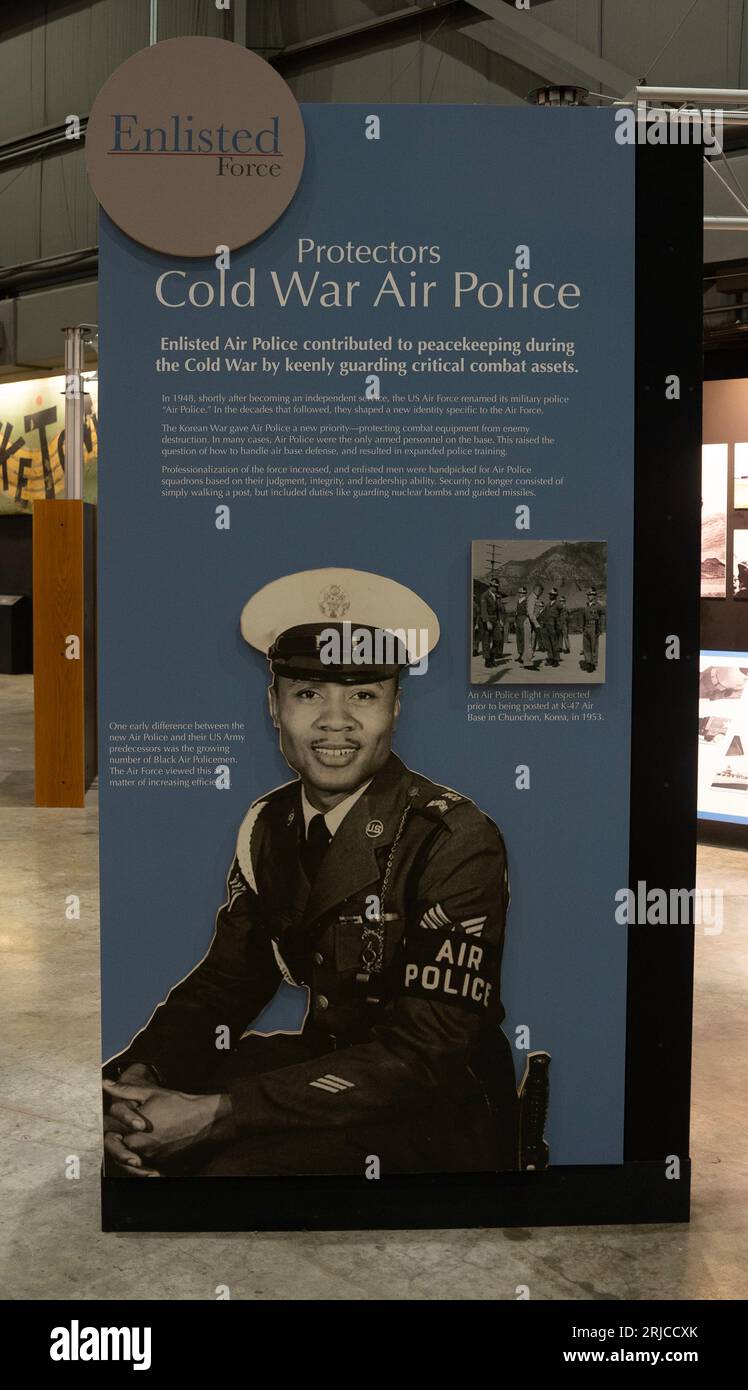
(50, 1242)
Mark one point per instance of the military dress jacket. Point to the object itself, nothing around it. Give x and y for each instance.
(399, 943)
(549, 618)
(491, 607)
(592, 615)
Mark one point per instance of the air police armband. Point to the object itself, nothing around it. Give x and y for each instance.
(449, 968)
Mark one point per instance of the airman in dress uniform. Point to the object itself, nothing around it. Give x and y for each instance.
(538, 636)
(521, 623)
(591, 624)
(492, 623)
(563, 624)
(378, 894)
(534, 608)
(550, 629)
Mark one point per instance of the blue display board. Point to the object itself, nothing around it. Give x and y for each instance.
(424, 370)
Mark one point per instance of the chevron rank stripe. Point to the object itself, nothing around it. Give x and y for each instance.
(473, 926)
(435, 917)
(331, 1083)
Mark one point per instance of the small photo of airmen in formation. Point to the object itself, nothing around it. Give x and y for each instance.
(538, 612)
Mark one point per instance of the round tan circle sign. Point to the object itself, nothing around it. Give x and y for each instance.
(193, 144)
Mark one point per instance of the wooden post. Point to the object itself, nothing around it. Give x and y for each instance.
(64, 651)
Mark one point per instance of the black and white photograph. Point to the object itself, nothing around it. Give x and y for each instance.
(732, 773)
(714, 520)
(740, 564)
(378, 898)
(740, 485)
(539, 612)
(719, 683)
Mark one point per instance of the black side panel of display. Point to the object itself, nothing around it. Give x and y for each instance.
(666, 606)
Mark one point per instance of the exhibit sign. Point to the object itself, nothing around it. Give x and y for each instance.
(366, 605)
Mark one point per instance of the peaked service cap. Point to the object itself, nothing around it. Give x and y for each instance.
(340, 625)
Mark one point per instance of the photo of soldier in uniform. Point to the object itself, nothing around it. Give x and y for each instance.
(492, 623)
(542, 606)
(378, 896)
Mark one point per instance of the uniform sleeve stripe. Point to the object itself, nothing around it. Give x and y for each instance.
(322, 1086)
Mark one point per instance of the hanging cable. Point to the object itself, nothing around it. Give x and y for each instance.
(726, 185)
(668, 42)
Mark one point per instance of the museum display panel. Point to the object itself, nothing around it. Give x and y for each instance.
(400, 981)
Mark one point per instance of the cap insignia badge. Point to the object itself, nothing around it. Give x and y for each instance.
(334, 602)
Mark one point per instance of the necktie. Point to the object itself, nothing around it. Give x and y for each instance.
(314, 848)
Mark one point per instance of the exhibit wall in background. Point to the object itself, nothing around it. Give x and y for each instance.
(724, 573)
(32, 441)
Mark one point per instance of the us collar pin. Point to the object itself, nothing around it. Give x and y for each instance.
(374, 829)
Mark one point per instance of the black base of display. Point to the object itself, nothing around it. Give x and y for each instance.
(600, 1196)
